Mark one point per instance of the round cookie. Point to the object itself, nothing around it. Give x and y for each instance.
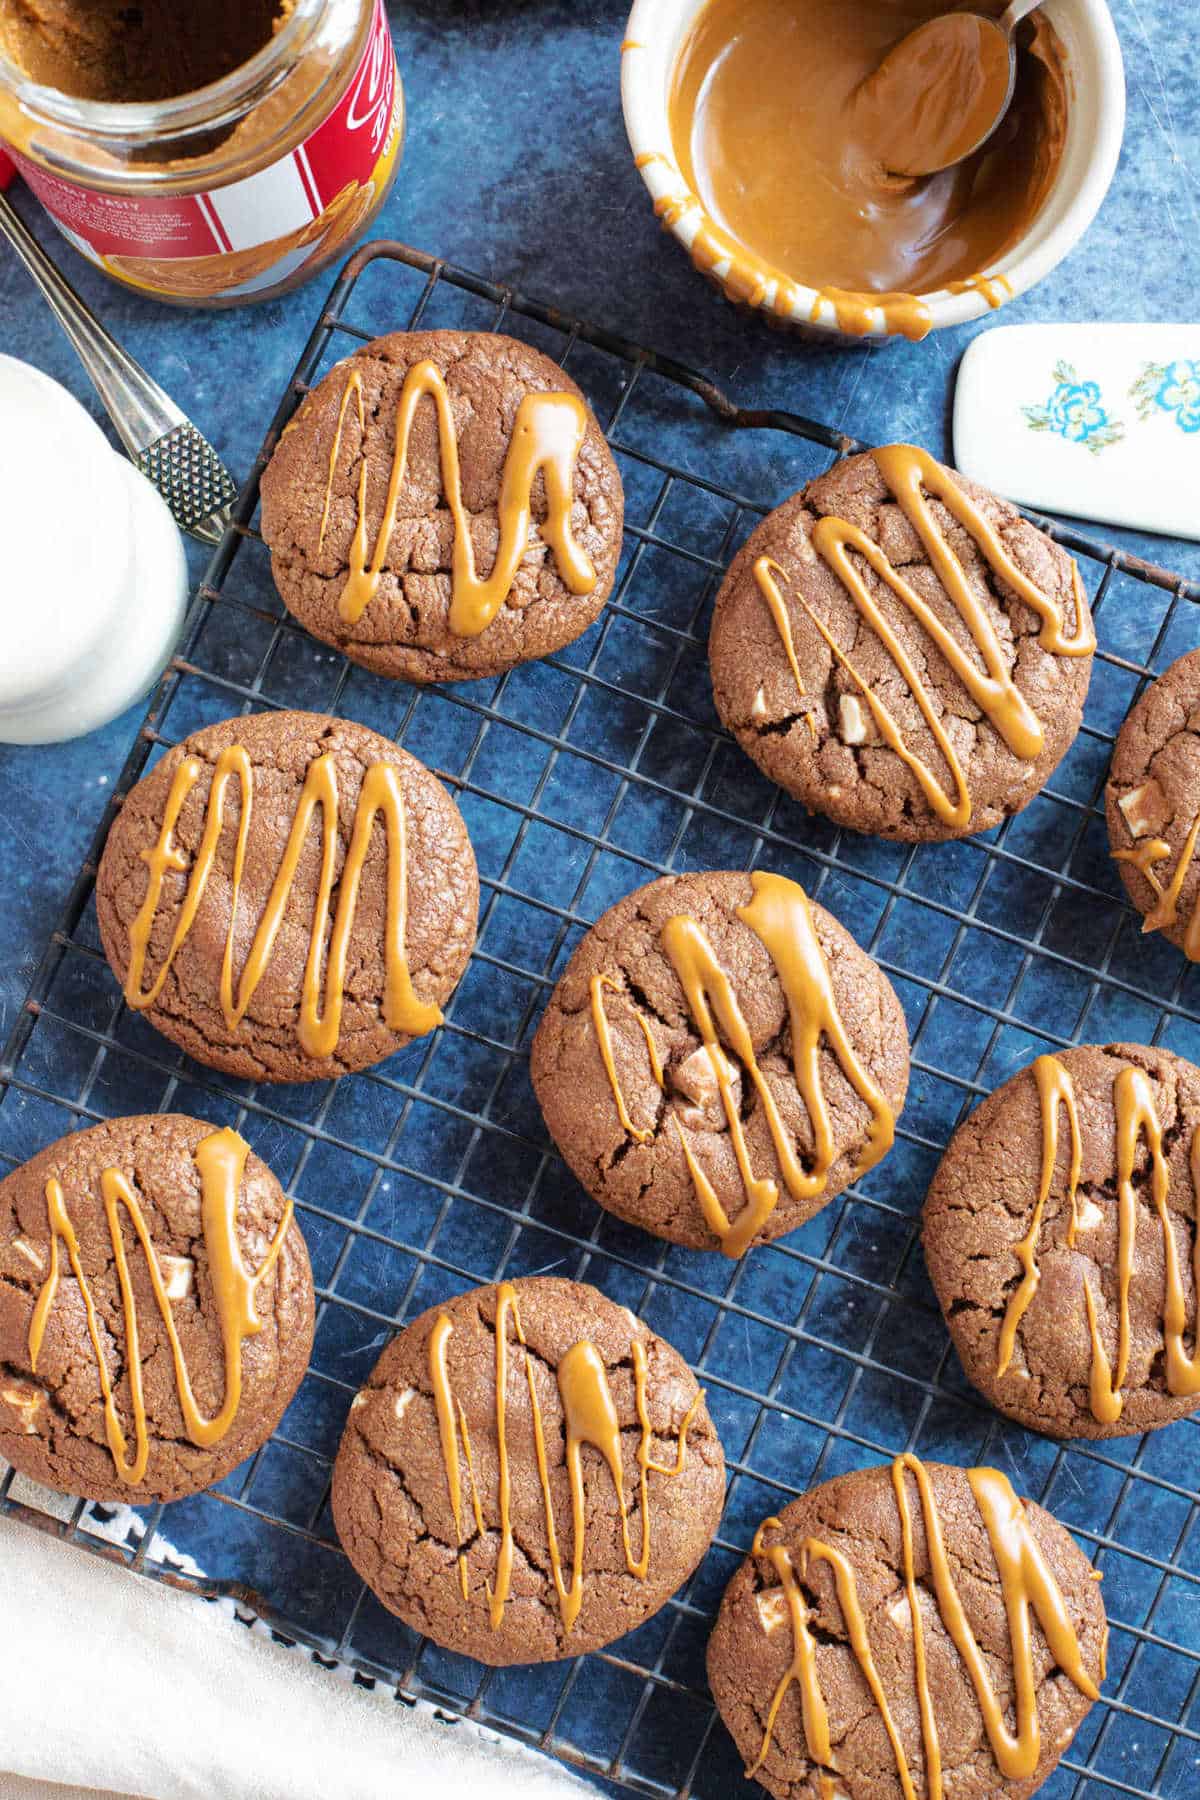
(320, 982)
(806, 1032)
(784, 1629)
(1153, 805)
(530, 499)
(1022, 1270)
(417, 1486)
(884, 713)
(233, 1281)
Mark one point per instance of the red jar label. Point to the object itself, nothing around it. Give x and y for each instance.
(254, 233)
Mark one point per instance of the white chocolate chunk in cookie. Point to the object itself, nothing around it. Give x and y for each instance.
(900, 1613)
(1088, 1215)
(360, 1399)
(852, 722)
(403, 1401)
(26, 1401)
(177, 1274)
(696, 1080)
(772, 1609)
(759, 709)
(1145, 808)
(29, 1251)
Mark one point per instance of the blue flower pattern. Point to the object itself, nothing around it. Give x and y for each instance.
(1075, 411)
(1172, 388)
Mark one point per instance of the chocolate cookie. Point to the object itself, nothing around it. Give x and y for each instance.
(720, 1059)
(444, 505)
(528, 1474)
(156, 1309)
(1060, 1233)
(901, 650)
(288, 897)
(1153, 805)
(874, 1635)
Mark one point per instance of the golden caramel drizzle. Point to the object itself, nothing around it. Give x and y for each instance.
(604, 1038)
(547, 438)
(911, 475)
(769, 589)
(589, 1418)
(221, 1160)
(1136, 1115)
(781, 918)
(1143, 857)
(1055, 1090)
(318, 1031)
(1027, 1583)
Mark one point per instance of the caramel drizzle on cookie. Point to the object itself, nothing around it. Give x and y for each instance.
(781, 918)
(911, 475)
(1027, 1583)
(221, 1160)
(1136, 1117)
(1143, 857)
(589, 1418)
(547, 438)
(320, 1014)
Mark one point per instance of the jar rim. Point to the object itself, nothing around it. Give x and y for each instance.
(218, 103)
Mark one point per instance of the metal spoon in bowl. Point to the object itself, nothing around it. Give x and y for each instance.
(941, 91)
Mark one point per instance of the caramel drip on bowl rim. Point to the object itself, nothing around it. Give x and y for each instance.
(1136, 1118)
(590, 1419)
(911, 475)
(547, 438)
(855, 311)
(221, 1160)
(381, 794)
(995, 289)
(1143, 856)
(780, 915)
(1028, 1584)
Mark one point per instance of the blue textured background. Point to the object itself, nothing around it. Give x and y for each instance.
(517, 166)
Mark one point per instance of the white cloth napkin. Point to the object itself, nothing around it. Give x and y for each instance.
(113, 1683)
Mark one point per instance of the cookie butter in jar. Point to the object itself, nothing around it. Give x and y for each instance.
(209, 154)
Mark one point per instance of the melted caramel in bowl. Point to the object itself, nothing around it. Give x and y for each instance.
(771, 134)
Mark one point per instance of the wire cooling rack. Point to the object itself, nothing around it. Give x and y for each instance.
(582, 777)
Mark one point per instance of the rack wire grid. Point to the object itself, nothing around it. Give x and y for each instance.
(582, 777)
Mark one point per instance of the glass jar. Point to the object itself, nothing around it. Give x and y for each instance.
(238, 191)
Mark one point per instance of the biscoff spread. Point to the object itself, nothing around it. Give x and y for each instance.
(108, 50)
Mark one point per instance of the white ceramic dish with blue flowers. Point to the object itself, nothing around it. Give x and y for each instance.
(1099, 421)
(1095, 126)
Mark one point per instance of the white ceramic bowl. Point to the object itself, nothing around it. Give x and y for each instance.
(1095, 126)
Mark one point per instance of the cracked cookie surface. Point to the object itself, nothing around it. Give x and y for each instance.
(857, 1516)
(394, 1507)
(405, 630)
(52, 1420)
(441, 892)
(983, 1204)
(649, 1183)
(825, 744)
(1152, 801)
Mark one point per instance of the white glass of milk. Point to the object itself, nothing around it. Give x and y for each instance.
(93, 580)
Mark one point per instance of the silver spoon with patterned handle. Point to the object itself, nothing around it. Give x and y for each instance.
(163, 443)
